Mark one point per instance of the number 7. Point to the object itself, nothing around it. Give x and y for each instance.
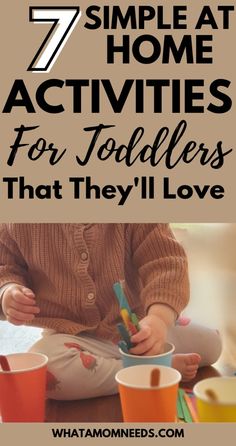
(64, 21)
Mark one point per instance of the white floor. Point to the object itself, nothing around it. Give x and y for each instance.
(16, 339)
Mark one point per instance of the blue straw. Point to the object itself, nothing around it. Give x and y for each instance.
(125, 335)
(121, 296)
(123, 346)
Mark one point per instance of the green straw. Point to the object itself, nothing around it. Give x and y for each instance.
(187, 416)
(180, 412)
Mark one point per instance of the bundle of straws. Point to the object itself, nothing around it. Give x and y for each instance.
(186, 406)
(130, 324)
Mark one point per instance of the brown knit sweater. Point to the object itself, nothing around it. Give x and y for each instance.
(72, 268)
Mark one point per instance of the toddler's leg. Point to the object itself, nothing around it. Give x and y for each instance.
(79, 366)
(190, 337)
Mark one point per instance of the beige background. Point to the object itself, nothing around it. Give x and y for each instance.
(84, 56)
(194, 434)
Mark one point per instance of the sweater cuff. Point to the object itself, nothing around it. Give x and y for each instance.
(176, 301)
(166, 305)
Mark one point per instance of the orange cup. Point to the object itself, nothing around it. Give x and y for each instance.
(140, 401)
(23, 388)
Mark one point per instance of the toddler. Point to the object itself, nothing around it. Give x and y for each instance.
(60, 277)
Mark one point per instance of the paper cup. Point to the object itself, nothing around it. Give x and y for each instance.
(161, 359)
(224, 408)
(23, 388)
(142, 403)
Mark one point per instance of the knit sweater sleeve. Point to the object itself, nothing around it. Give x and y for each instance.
(13, 268)
(162, 266)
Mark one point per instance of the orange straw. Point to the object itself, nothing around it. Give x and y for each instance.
(211, 395)
(4, 363)
(191, 408)
(155, 378)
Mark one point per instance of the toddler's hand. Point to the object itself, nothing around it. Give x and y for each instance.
(151, 337)
(18, 304)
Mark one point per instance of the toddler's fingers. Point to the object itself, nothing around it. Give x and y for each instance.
(20, 298)
(24, 307)
(142, 347)
(144, 333)
(18, 315)
(156, 349)
(28, 292)
(14, 321)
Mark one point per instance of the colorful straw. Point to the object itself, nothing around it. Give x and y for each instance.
(211, 395)
(186, 409)
(130, 325)
(118, 288)
(180, 412)
(135, 321)
(155, 377)
(125, 335)
(123, 346)
(191, 408)
(4, 364)
(125, 316)
(185, 412)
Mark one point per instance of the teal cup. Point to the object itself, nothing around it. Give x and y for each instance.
(161, 359)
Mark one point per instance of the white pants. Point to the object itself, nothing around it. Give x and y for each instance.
(84, 367)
